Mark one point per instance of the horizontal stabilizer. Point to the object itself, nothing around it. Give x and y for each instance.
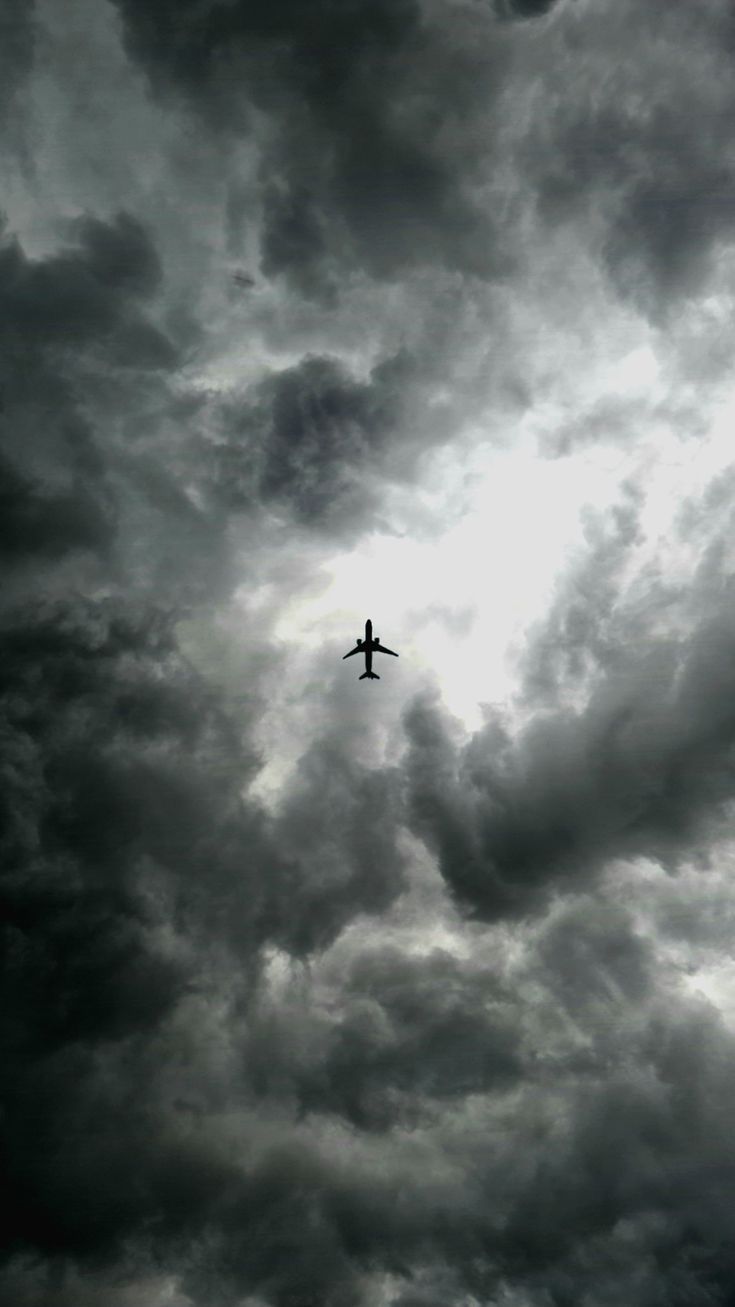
(372, 675)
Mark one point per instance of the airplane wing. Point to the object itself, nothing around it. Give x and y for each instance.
(356, 649)
(380, 648)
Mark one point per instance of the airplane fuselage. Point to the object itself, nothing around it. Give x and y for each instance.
(367, 646)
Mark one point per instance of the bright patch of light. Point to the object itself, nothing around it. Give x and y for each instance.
(717, 985)
(635, 374)
(454, 606)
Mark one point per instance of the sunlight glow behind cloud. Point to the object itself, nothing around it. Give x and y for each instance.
(455, 604)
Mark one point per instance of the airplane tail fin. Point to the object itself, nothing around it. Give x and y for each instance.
(372, 675)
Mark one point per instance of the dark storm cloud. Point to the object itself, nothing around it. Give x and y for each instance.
(103, 456)
(524, 8)
(295, 242)
(593, 1172)
(17, 44)
(135, 862)
(99, 454)
(215, 1065)
(643, 768)
(309, 439)
(619, 1196)
(371, 107)
(408, 1035)
(58, 316)
(119, 751)
(132, 866)
(360, 166)
(122, 804)
(116, 779)
(131, 862)
(644, 148)
(36, 522)
(86, 294)
(591, 959)
(337, 829)
(55, 314)
(124, 754)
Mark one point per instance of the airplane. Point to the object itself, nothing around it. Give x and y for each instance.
(369, 646)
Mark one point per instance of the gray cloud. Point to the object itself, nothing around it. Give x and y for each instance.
(36, 522)
(496, 1186)
(524, 8)
(408, 1036)
(356, 168)
(273, 1055)
(132, 863)
(17, 39)
(646, 152)
(581, 634)
(308, 440)
(80, 351)
(86, 294)
(643, 768)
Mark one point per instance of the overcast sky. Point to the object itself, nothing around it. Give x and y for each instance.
(321, 992)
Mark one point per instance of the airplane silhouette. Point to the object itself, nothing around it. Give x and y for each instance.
(369, 646)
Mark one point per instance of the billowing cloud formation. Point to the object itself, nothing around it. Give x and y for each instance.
(312, 995)
(77, 344)
(309, 440)
(357, 165)
(18, 40)
(131, 863)
(365, 159)
(410, 1034)
(85, 295)
(647, 152)
(642, 768)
